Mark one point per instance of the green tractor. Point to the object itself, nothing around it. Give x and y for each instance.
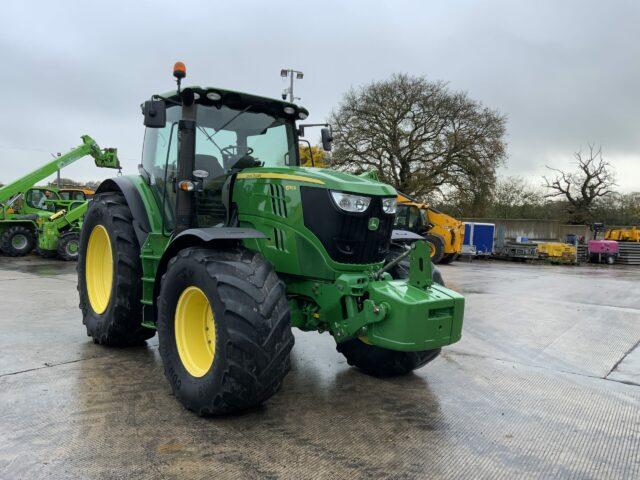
(40, 217)
(223, 242)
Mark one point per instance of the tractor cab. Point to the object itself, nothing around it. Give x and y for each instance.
(75, 194)
(38, 198)
(231, 131)
(39, 201)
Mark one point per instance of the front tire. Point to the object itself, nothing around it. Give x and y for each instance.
(381, 362)
(18, 241)
(68, 246)
(109, 274)
(224, 329)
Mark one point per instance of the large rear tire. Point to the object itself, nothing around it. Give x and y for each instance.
(18, 241)
(109, 274)
(224, 329)
(381, 362)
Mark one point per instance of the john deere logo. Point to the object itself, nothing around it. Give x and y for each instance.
(374, 223)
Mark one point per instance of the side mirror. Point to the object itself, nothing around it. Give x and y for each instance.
(327, 139)
(155, 113)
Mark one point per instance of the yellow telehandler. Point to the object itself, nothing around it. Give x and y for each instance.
(443, 232)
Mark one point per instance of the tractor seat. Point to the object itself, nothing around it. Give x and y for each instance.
(210, 164)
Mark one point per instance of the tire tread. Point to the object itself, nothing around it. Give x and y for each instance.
(123, 328)
(7, 247)
(259, 335)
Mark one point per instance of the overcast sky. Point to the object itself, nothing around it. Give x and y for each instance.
(566, 73)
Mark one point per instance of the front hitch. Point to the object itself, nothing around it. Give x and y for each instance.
(411, 314)
(420, 274)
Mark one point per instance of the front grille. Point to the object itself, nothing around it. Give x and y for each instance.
(346, 236)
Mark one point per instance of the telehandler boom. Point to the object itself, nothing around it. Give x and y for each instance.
(52, 224)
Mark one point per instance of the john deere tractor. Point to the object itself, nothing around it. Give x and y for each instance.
(223, 242)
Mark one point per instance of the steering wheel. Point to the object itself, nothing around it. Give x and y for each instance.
(232, 150)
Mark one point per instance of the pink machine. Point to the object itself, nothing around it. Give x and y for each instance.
(603, 251)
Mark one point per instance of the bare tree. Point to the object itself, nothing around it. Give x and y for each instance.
(420, 137)
(582, 188)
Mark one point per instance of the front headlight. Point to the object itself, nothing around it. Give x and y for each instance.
(351, 203)
(389, 205)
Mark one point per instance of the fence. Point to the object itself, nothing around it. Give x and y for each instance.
(536, 230)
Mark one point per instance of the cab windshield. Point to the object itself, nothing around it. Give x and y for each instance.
(225, 138)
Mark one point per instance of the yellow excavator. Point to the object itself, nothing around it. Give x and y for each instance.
(443, 232)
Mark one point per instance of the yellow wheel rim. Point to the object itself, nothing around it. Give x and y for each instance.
(99, 269)
(195, 331)
(432, 249)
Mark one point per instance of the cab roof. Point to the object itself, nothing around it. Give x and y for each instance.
(235, 99)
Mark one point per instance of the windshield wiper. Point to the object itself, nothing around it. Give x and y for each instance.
(210, 137)
(232, 119)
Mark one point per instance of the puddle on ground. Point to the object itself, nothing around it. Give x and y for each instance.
(39, 269)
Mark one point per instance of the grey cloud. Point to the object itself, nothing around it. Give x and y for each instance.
(565, 73)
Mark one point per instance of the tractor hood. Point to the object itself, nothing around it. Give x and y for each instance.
(321, 177)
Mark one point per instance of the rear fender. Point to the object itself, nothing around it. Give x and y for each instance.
(132, 196)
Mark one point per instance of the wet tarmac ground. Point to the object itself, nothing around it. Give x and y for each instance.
(544, 384)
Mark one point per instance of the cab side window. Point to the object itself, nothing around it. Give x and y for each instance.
(159, 160)
(415, 220)
(34, 197)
